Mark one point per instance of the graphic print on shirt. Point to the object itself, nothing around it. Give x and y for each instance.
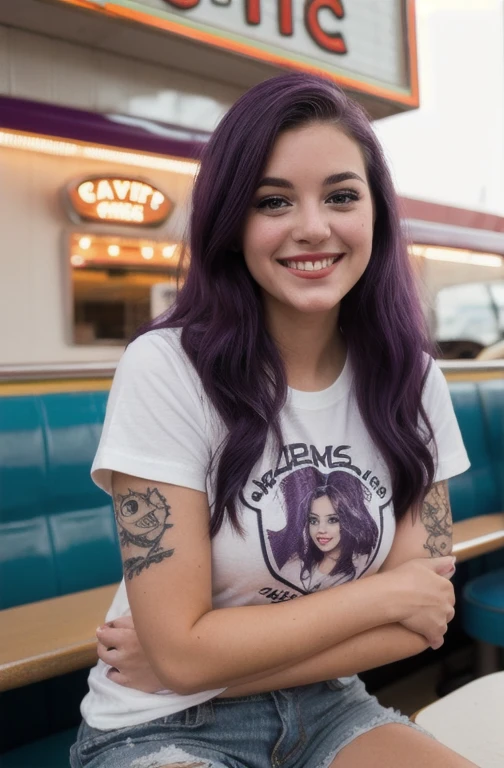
(318, 528)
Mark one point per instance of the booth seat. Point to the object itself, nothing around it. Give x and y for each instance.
(479, 407)
(57, 536)
(57, 530)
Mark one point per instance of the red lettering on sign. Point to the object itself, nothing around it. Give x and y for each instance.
(285, 24)
(285, 18)
(330, 41)
(184, 5)
(253, 11)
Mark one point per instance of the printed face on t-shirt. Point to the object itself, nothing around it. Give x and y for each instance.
(318, 528)
(324, 524)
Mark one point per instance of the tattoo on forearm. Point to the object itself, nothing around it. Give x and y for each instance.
(142, 521)
(437, 519)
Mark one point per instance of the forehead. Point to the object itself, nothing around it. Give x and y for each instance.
(322, 506)
(317, 148)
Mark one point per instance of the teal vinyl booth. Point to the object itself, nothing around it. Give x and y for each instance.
(57, 531)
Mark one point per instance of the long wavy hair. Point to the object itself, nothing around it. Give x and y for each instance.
(220, 312)
(358, 530)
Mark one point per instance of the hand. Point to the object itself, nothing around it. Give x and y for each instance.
(118, 647)
(430, 597)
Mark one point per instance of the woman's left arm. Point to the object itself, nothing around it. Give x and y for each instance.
(426, 534)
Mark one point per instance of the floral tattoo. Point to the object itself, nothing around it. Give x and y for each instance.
(437, 519)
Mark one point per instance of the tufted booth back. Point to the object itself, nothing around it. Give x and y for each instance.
(57, 530)
(479, 407)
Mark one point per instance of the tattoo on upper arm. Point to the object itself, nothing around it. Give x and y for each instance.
(142, 519)
(437, 519)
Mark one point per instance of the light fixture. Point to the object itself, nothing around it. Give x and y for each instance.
(34, 143)
(168, 251)
(84, 243)
(76, 260)
(113, 250)
(457, 256)
(147, 251)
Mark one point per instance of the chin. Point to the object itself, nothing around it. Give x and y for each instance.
(316, 306)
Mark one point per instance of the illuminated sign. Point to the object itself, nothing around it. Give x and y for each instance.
(119, 200)
(368, 46)
(255, 11)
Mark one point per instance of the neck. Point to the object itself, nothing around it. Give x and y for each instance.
(311, 345)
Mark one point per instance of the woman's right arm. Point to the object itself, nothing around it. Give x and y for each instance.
(167, 562)
(368, 650)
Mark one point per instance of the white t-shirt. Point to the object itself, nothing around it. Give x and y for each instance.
(315, 515)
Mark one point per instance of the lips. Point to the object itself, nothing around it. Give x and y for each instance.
(313, 266)
(323, 541)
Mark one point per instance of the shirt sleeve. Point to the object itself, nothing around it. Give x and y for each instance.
(155, 426)
(452, 456)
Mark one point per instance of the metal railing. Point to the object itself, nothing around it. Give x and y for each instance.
(58, 371)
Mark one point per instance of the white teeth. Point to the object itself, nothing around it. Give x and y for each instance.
(311, 266)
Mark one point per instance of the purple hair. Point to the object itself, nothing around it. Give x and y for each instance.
(358, 530)
(220, 312)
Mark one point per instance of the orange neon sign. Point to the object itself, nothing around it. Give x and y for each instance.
(119, 200)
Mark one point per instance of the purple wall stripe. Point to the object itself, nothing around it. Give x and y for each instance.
(115, 130)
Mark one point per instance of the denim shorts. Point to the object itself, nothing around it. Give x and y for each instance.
(303, 727)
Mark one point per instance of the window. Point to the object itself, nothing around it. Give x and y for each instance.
(118, 283)
(464, 300)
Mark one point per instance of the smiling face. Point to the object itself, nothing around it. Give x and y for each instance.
(308, 236)
(324, 525)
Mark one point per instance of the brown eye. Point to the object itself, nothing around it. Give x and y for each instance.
(272, 203)
(344, 197)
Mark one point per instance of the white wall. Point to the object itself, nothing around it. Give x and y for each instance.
(34, 274)
(451, 150)
(45, 69)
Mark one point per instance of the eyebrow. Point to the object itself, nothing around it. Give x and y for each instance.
(335, 178)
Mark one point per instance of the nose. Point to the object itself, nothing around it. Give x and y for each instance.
(311, 226)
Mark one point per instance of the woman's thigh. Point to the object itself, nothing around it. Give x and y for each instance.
(394, 746)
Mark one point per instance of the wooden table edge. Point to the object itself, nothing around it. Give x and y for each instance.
(486, 535)
(57, 657)
(33, 669)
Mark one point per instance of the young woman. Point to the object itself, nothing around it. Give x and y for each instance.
(297, 340)
(329, 536)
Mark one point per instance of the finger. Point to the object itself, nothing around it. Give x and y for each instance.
(438, 564)
(444, 565)
(109, 656)
(439, 640)
(112, 637)
(117, 677)
(122, 622)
